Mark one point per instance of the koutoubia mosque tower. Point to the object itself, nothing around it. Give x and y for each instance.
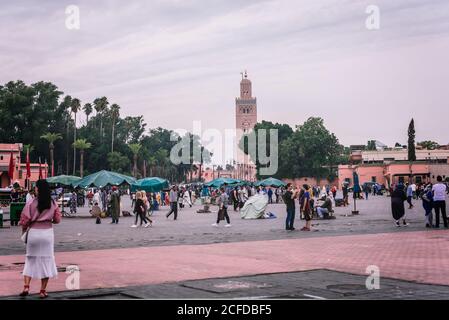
(245, 120)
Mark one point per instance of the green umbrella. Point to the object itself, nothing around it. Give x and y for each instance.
(104, 178)
(242, 183)
(271, 182)
(63, 180)
(153, 184)
(217, 183)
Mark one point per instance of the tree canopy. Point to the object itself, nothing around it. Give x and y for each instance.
(411, 141)
(308, 151)
(40, 113)
(429, 145)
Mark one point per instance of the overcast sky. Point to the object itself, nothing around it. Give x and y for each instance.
(176, 61)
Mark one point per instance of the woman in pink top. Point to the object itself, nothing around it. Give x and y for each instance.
(39, 215)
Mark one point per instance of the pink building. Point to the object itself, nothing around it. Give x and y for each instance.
(210, 173)
(19, 166)
(392, 173)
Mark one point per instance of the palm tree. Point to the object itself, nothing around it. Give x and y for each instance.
(135, 148)
(87, 110)
(152, 162)
(51, 138)
(65, 104)
(75, 106)
(81, 145)
(28, 148)
(100, 105)
(115, 112)
(161, 157)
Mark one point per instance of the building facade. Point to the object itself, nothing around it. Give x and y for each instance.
(19, 175)
(389, 167)
(386, 156)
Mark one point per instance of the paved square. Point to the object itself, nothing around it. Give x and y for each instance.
(190, 249)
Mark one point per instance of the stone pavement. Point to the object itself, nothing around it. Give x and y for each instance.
(421, 257)
(190, 249)
(193, 228)
(315, 284)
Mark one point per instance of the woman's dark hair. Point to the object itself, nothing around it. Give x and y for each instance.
(44, 195)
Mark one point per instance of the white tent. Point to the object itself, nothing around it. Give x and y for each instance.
(254, 207)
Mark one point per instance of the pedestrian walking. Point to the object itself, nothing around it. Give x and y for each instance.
(306, 208)
(334, 192)
(235, 198)
(367, 190)
(427, 203)
(270, 195)
(140, 211)
(186, 199)
(73, 203)
(409, 196)
(222, 202)
(167, 198)
(133, 200)
(289, 200)
(398, 198)
(173, 197)
(439, 202)
(345, 194)
(104, 200)
(115, 205)
(97, 197)
(37, 219)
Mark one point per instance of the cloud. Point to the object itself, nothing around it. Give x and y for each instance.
(178, 61)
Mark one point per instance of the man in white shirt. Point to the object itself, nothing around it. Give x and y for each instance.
(97, 197)
(439, 202)
(413, 190)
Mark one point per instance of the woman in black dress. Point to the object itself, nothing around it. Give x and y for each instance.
(397, 205)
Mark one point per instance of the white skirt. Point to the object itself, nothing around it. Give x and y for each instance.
(40, 258)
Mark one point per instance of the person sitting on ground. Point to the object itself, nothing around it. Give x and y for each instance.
(96, 213)
(325, 209)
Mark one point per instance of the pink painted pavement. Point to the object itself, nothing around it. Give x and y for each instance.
(417, 256)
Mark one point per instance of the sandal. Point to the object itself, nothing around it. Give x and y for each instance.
(43, 294)
(26, 291)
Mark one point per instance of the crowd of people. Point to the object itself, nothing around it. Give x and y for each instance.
(42, 211)
(433, 197)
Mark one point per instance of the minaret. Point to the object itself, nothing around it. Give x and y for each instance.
(245, 106)
(245, 120)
